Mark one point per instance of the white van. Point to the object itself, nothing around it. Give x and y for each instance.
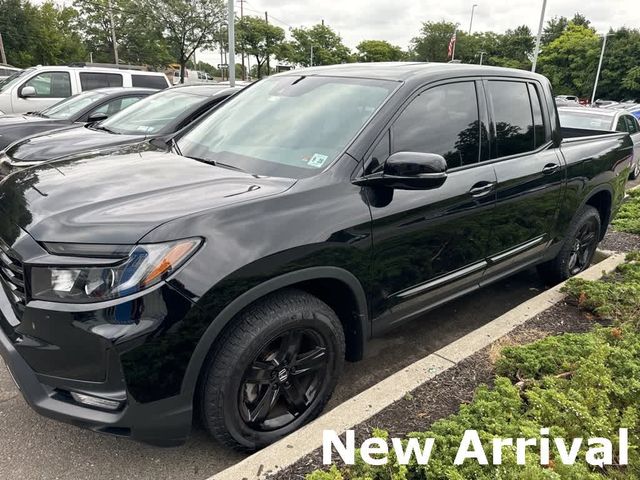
(39, 87)
(192, 77)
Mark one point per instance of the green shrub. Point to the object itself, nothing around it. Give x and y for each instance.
(578, 385)
(628, 217)
(616, 296)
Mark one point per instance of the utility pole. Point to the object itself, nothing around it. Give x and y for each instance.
(232, 43)
(595, 85)
(311, 62)
(536, 52)
(3, 55)
(473, 9)
(113, 33)
(244, 68)
(266, 19)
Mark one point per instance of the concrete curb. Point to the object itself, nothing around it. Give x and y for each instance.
(363, 406)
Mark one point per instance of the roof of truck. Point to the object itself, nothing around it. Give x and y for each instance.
(400, 71)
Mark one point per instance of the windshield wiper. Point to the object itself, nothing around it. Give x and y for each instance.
(38, 114)
(103, 128)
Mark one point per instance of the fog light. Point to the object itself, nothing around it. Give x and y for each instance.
(98, 402)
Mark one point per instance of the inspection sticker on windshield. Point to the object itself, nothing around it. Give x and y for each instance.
(317, 160)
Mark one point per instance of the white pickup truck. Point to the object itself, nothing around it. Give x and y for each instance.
(37, 88)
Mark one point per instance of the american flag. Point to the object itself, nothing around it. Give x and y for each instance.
(452, 45)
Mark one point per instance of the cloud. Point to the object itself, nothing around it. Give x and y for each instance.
(398, 21)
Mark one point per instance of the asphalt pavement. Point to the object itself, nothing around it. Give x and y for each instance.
(33, 447)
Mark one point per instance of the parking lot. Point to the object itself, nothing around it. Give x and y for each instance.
(29, 442)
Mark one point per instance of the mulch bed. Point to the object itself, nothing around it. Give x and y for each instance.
(443, 395)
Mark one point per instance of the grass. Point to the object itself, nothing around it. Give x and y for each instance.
(628, 218)
(578, 385)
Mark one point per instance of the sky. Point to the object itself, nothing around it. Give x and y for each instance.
(398, 21)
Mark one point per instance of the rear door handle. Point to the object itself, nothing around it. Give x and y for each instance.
(550, 168)
(481, 189)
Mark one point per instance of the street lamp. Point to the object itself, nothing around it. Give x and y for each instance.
(232, 43)
(537, 50)
(595, 85)
(473, 9)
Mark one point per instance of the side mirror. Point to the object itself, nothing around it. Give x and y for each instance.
(28, 91)
(97, 117)
(409, 171)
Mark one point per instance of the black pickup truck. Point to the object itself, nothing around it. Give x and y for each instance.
(233, 271)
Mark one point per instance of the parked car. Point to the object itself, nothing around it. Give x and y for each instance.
(37, 88)
(87, 107)
(237, 270)
(613, 119)
(568, 100)
(192, 77)
(163, 113)
(6, 71)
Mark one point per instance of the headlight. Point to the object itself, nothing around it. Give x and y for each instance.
(143, 267)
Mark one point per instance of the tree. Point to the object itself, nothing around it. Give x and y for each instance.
(57, 41)
(187, 25)
(619, 65)
(379, 51)
(139, 37)
(570, 61)
(432, 44)
(259, 39)
(554, 28)
(328, 48)
(631, 82)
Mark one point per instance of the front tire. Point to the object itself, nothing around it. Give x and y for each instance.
(578, 250)
(273, 371)
(636, 171)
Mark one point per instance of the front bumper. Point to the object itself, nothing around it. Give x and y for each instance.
(52, 350)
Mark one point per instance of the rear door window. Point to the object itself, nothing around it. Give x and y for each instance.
(632, 124)
(93, 80)
(149, 81)
(512, 117)
(540, 131)
(443, 120)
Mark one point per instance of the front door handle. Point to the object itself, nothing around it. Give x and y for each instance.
(481, 189)
(550, 168)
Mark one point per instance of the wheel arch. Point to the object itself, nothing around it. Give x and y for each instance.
(347, 298)
(602, 200)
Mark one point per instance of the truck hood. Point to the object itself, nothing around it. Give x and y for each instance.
(49, 146)
(16, 127)
(118, 199)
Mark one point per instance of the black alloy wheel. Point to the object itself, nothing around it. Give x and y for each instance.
(283, 380)
(577, 252)
(584, 246)
(273, 371)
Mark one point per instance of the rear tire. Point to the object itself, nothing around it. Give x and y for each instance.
(273, 371)
(578, 250)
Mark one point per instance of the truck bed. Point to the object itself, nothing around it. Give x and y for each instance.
(570, 135)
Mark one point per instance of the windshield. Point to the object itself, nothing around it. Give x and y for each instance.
(71, 106)
(153, 113)
(585, 120)
(11, 80)
(288, 126)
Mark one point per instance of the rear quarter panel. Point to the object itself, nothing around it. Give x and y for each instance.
(594, 164)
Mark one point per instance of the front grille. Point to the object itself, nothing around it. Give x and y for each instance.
(12, 278)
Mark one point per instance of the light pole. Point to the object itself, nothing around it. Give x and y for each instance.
(311, 59)
(232, 43)
(482, 53)
(473, 9)
(537, 50)
(595, 85)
